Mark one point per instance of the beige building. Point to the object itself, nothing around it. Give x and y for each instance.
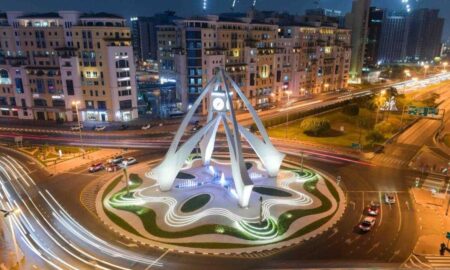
(269, 62)
(50, 62)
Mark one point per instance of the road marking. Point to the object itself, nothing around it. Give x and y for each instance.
(335, 231)
(381, 210)
(128, 245)
(395, 254)
(400, 214)
(155, 261)
(377, 244)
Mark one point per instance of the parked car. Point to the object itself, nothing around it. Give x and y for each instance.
(111, 167)
(99, 128)
(146, 127)
(130, 160)
(124, 127)
(116, 159)
(367, 224)
(96, 167)
(389, 198)
(374, 209)
(196, 127)
(76, 128)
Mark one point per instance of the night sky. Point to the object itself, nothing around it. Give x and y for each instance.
(189, 7)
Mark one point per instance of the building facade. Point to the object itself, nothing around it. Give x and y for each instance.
(425, 35)
(52, 64)
(394, 37)
(373, 37)
(358, 21)
(268, 62)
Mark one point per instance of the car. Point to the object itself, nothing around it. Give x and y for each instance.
(146, 127)
(124, 127)
(130, 161)
(389, 198)
(374, 209)
(99, 128)
(96, 167)
(367, 224)
(197, 127)
(111, 167)
(116, 159)
(76, 128)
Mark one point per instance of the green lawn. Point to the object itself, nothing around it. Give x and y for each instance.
(447, 140)
(195, 203)
(336, 137)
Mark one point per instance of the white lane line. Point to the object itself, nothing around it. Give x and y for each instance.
(400, 214)
(157, 260)
(374, 247)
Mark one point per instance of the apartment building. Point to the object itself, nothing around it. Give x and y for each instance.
(269, 62)
(52, 64)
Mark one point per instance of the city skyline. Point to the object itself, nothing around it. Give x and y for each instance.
(187, 8)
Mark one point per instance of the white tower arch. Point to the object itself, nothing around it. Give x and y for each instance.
(220, 111)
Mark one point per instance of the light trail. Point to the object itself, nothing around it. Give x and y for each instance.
(15, 173)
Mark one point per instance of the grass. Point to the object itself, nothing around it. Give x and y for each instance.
(271, 192)
(351, 133)
(195, 203)
(447, 140)
(148, 218)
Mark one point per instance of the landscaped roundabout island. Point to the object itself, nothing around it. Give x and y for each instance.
(229, 203)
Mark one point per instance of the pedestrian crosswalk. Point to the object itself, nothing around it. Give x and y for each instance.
(389, 161)
(434, 182)
(427, 262)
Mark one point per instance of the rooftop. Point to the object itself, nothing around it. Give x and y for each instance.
(101, 15)
(47, 15)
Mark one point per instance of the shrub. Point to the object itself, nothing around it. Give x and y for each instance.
(351, 109)
(315, 126)
(385, 127)
(375, 137)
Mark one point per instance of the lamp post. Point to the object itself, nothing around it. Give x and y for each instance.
(288, 93)
(326, 86)
(76, 103)
(8, 213)
(380, 102)
(445, 64)
(426, 67)
(125, 166)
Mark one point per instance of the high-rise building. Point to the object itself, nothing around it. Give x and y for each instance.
(394, 37)
(55, 63)
(324, 16)
(373, 36)
(144, 31)
(358, 21)
(267, 61)
(425, 35)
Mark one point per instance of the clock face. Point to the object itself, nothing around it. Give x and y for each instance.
(218, 104)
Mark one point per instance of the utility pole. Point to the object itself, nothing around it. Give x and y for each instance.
(260, 210)
(127, 185)
(301, 168)
(288, 93)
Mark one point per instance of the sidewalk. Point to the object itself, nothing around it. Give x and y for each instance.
(432, 221)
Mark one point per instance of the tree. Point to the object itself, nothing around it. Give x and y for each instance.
(351, 109)
(315, 126)
(374, 137)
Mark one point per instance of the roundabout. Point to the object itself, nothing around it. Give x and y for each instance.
(232, 202)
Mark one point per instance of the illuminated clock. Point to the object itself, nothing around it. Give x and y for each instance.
(218, 104)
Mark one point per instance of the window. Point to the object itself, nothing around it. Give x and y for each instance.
(101, 105)
(40, 103)
(19, 86)
(89, 104)
(70, 89)
(125, 104)
(122, 64)
(40, 87)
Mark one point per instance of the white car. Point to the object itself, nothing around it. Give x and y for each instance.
(76, 128)
(130, 160)
(389, 198)
(100, 128)
(367, 224)
(146, 127)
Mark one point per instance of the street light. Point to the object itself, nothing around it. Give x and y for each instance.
(125, 166)
(445, 64)
(8, 213)
(76, 103)
(426, 67)
(326, 86)
(380, 102)
(288, 93)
